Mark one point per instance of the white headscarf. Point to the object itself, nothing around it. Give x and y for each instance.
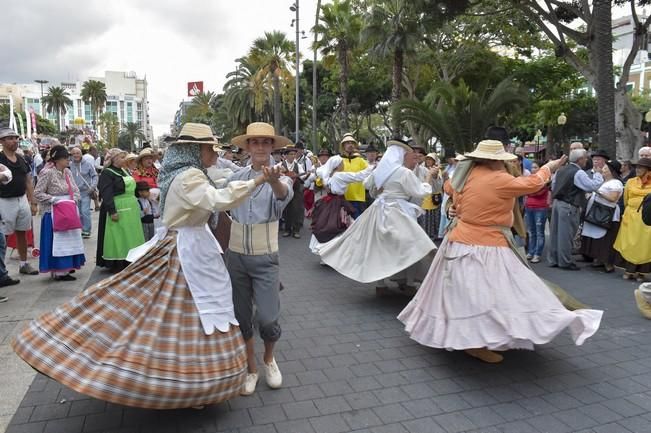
(392, 159)
(326, 170)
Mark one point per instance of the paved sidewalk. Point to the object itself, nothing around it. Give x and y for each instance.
(348, 366)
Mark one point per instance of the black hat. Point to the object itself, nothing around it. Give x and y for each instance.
(498, 133)
(142, 186)
(289, 149)
(299, 145)
(371, 148)
(600, 153)
(644, 162)
(615, 168)
(325, 151)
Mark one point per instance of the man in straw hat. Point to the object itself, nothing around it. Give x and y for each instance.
(353, 162)
(252, 257)
(480, 295)
(569, 189)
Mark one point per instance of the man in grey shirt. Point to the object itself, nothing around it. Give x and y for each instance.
(569, 188)
(85, 176)
(252, 256)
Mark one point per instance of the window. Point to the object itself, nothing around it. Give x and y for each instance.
(88, 114)
(630, 87)
(129, 112)
(33, 103)
(112, 107)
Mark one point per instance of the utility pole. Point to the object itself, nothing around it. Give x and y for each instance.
(294, 8)
(41, 82)
(314, 86)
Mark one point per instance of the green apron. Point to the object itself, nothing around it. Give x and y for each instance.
(126, 233)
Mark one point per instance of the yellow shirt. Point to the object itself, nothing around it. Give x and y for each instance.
(634, 237)
(355, 191)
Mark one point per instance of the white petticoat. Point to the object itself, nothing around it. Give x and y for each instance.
(480, 296)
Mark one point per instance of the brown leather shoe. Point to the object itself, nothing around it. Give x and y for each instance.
(485, 355)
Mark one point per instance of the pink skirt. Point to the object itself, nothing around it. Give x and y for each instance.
(479, 296)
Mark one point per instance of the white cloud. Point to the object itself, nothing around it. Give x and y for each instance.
(170, 41)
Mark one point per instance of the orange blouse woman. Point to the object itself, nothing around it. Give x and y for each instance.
(479, 295)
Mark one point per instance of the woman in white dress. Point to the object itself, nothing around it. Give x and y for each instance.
(386, 238)
(597, 242)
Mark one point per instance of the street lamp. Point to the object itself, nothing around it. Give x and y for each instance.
(537, 137)
(41, 82)
(562, 120)
(294, 8)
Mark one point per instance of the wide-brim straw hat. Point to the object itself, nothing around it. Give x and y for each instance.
(433, 156)
(491, 149)
(147, 151)
(260, 130)
(131, 156)
(398, 142)
(195, 133)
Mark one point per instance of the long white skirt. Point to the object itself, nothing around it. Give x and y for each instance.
(383, 241)
(479, 296)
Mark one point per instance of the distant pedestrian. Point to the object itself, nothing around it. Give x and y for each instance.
(85, 177)
(148, 209)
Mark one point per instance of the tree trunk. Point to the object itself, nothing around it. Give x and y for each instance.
(603, 40)
(398, 59)
(314, 84)
(277, 107)
(342, 54)
(627, 122)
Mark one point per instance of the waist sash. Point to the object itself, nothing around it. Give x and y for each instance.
(254, 239)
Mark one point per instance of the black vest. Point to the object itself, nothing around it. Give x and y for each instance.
(564, 188)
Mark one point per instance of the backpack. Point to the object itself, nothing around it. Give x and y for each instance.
(645, 209)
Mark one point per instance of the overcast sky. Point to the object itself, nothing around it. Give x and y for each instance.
(170, 41)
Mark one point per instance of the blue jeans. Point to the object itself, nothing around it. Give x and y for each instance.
(535, 220)
(3, 250)
(84, 211)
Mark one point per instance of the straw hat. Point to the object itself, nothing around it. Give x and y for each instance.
(399, 142)
(433, 156)
(131, 156)
(491, 149)
(195, 133)
(147, 151)
(260, 130)
(348, 137)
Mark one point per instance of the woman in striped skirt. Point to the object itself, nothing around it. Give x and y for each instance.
(154, 336)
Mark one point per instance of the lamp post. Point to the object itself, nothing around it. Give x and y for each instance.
(647, 119)
(562, 120)
(294, 8)
(537, 137)
(41, 82)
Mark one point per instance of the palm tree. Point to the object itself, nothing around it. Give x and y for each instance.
(339, 28)
(131, 131)
(393, 29)
(458, 115)
(245, 97)
(200, 109)
(272, 55)
(603, 37)
(110, 126)
(93, 92)
(57, 101)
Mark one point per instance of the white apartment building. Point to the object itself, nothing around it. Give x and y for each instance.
(126, 97)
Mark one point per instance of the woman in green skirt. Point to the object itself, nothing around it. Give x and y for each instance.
(119, 218)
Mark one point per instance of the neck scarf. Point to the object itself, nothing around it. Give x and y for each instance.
(390, 162)
(326, 170)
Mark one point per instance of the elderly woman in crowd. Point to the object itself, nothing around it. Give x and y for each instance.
(634, 238)
(146, 172)
(119, 218)
(480, 294)
(62, 252)
(162, 334)
(597, 239)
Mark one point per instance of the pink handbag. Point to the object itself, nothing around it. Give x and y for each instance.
(65, 215)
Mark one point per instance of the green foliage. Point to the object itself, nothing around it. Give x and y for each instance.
(130, 132)
(459, 115)
(93, 92)
(110, 128)
(43, 126)
(57, 101)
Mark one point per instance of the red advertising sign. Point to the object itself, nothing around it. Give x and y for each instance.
(195, 87)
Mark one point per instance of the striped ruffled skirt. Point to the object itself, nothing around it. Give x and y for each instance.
(135, 339)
